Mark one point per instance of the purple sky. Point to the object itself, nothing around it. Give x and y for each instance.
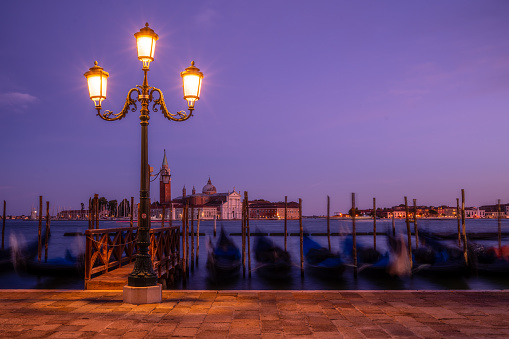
(300, 98)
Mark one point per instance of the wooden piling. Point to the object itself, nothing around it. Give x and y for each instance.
(187, 239)
(328, 221)
(215, 221)
(192, 238)
(184, 244)
(374, 223)
(409, 234)
(499, 226)
(463, 225)
(96, 199)
(286, 217)
(354, 237)
(198, 237)
(47, 232)
(171, 214)
(162, 217)
(243, 226)
(132, 212)
(458, 216)
(393, 225)
(248, 233)
(301, 239)
(3, 225)
(90, 214)
(39, 248)
(416, 229)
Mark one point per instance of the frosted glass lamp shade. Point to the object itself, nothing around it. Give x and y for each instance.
(97, 80)
(191, 82)
(146, 44)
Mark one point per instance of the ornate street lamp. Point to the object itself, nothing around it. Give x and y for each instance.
(143, 274)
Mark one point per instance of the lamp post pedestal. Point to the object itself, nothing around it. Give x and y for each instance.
(143, 295)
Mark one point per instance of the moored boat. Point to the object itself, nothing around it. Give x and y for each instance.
(273, 261)
(223, 260)
(320, 261)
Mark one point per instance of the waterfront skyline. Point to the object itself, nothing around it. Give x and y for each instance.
(385, 99)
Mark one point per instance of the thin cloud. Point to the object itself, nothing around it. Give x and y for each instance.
(17, 101)
(207, 17)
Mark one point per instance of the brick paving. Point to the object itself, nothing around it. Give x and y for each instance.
(256, 314)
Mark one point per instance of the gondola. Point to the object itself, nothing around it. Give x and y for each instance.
(223, 260)
(320, 261)
(5, 259)
(56, 267)
(490, 260)
(273, 262)
(436, 258)
(372, 262)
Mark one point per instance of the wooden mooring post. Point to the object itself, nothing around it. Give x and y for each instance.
(354, 240)
(198, 237)
(162, 216)
(409, 233)
(393, 225)
(3, 225)
(184, 244)
(499, 226)
(416, 229)
(328, 221)
(90, 213)
(132, 212)
(215, 222)
(47, 232)
(243, 226)
(301, 240)
(39, 248)
(465, 254)
(248, 234)
(192, 238)
(374, 223)
(458, 216)
(187, 239)
(96, 210)
(286, 217)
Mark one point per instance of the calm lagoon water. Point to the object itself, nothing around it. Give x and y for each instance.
(26, 231)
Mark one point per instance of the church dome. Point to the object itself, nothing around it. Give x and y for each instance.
(209, 188)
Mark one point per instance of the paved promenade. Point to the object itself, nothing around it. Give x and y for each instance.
(265, 314)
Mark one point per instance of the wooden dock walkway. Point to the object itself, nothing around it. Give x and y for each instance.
(112, 280)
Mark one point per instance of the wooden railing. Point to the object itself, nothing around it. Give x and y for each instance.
(164, 249)
(108, 249)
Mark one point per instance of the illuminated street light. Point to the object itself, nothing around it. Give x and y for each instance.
(143, 274)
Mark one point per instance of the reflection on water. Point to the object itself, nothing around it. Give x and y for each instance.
(16, 231)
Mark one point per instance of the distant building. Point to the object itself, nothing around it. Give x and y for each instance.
(209, 204)
(474, 212)
(262, 209)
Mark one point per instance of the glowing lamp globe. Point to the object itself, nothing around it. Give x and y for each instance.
(146, 42)
(97, 80)
(191, 82)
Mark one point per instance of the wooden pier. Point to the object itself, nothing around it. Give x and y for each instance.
(110, 255)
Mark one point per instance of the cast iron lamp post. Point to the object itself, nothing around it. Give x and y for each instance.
(143, 274)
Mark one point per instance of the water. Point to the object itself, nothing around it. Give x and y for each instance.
(198, 278)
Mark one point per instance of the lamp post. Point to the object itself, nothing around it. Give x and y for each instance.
(143, 274)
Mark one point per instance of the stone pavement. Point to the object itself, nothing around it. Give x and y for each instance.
(244, 314)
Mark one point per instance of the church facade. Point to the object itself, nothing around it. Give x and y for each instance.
(207, 204)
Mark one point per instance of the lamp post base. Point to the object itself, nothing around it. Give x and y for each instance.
(143, 295)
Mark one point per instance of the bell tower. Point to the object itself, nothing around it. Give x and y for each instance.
(165, 183)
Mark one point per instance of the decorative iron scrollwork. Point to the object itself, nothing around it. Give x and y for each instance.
(110, 116)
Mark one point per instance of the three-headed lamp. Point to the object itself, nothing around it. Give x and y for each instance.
(191, 82)
(146, 42)
(97, 80)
